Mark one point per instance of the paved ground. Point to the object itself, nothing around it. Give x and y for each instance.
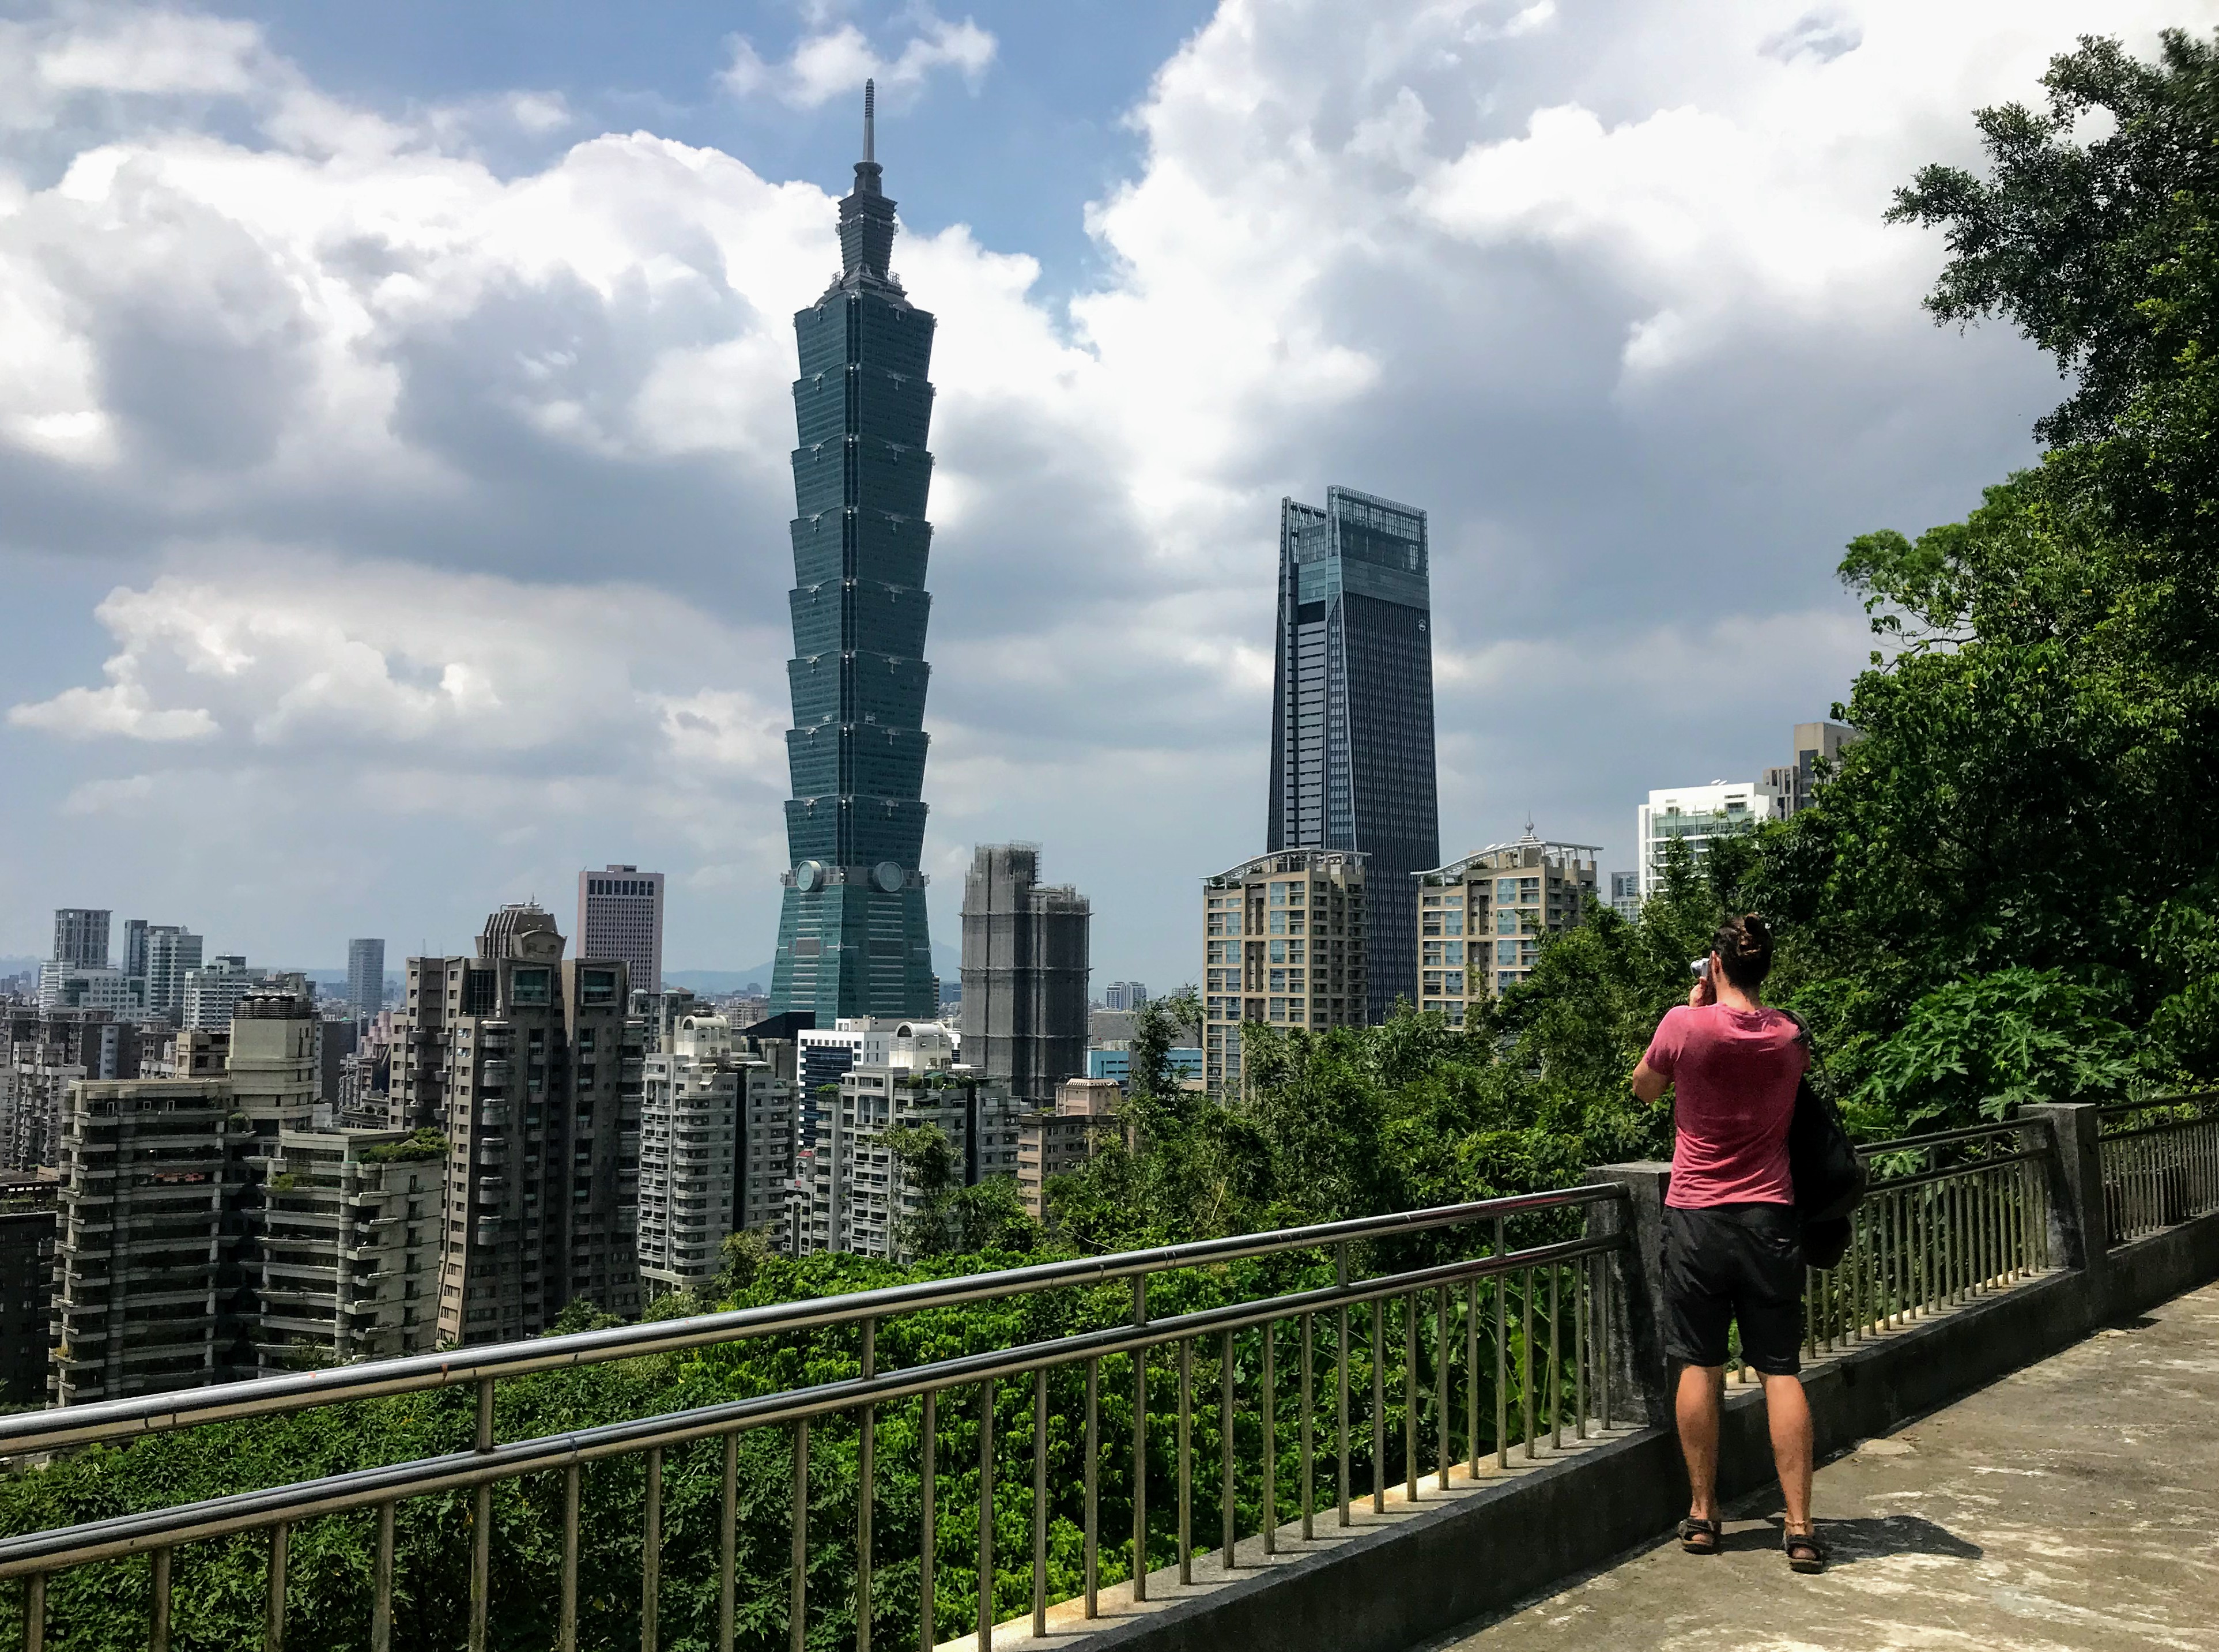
(2074, 1505)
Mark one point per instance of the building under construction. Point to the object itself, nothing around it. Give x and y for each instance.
(1025, 973)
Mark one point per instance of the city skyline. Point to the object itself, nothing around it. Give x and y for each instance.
(1121, 407)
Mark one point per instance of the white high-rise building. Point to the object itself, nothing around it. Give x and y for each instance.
(172, 953)
(366, 978)
(852, 1196)
(72, 986)
(213, 993)
(716, 1152)
(621, 915)
(1696, 815)
(81, 936)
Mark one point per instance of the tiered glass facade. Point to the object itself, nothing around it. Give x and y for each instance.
(852, 936)
(1353, 710)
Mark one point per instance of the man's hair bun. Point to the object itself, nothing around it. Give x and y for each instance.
(1744, 948)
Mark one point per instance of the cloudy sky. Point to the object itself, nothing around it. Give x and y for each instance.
(394, 420)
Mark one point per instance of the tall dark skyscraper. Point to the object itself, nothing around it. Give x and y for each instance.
(1352, 711)
(852, 938)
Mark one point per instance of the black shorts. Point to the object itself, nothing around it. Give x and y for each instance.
(1738, 1262)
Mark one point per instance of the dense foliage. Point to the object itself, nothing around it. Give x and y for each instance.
(2019, 866)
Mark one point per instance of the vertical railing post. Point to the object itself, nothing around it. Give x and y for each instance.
(650, 1569)
(1039, 1504)
(928, 1623)
(798, 1588)
(867, 1457)
(1185, 1462)
(566, 1628)
(1140, 1445)
(273, 1628)
(481, 1527)
(727, 1535)
(2073, 1181)
(1632, 1359)
(157, 1629)
(986, 1515)
(1340, 1377)
(1093, 1471)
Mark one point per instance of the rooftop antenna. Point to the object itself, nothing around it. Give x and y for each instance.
(870, 119)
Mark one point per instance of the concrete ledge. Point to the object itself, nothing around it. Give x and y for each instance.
(1388, 1581)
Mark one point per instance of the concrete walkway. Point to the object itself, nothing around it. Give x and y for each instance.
(2074, 1505)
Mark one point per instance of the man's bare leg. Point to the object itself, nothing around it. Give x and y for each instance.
(1696, 1401)
(1788, 1411)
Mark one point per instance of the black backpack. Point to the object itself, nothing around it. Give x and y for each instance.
(1830, 1179)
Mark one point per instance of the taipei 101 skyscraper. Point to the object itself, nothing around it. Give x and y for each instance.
(852, 937)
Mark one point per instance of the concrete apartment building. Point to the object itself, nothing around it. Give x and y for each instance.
(81, 936)
(347, 1253)
(1798, 782)
(171, 954)
(853, 1196)
(209, 1233)
(1283, 945)
(1124, 996)
(716, 1152)
(1482, 920)
(42, 1053)
(1025, 969)
(29, 1207)
(1696, 815)
(531, 1068)
(621, 915)
(213, 991)
(79, 986)
(146, 1184)
(365, 982)
(1054, 1142)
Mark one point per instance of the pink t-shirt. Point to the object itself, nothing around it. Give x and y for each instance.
(1734, 1074)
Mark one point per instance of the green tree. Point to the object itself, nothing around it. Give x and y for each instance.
(2043, 728)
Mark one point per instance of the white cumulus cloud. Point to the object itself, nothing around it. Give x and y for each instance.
(444, 505)
(831, 61)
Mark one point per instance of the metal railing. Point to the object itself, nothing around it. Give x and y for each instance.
(1516, 1327)
(2160, 1164)
(1950, 1216)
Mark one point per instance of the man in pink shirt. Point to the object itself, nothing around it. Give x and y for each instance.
(1732, 1244)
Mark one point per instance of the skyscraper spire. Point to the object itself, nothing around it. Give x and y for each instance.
(866, 217)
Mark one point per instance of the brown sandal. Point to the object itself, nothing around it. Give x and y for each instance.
(1805, 1553)
(1701, 1537)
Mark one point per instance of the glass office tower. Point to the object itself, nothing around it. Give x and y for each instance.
(852, 938)
(1352, 711)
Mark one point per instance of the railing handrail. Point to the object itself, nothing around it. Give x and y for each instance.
(1943, 1137)
(2109, 1110)
(119, 1535)
(143, 1414)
